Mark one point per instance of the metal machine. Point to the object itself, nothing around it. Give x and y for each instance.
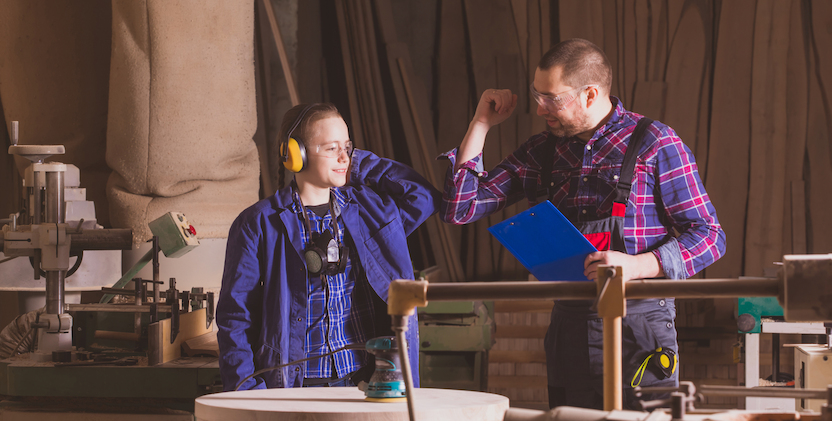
(455, 340)
(127, 347)
(41, 234)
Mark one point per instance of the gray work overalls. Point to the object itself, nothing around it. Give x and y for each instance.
(573, 343)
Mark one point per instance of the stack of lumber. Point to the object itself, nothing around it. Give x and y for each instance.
(387, 101)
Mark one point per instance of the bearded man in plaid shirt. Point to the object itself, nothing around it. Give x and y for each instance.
(646, 211)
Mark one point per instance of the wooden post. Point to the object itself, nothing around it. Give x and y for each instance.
(612, 306)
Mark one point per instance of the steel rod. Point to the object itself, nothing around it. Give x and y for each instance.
(102, 239)
(765, 392)
(54, 215)
(635, 289)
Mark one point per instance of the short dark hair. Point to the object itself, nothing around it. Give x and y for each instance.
(317, 111)
(583, 63)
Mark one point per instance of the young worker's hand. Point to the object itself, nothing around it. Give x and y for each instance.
(640, 266)
(495, 106)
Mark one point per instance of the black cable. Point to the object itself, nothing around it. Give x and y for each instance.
(76, 265)
(350, 346)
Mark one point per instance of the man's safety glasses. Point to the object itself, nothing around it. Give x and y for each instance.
(334, 149)
(555, 103)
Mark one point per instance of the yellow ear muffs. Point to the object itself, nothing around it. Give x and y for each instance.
(292, 150)
(294, 156)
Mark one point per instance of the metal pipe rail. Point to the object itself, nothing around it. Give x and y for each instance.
(634, 289)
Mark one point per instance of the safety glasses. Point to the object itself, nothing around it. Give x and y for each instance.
(559, 102)
(334, 149)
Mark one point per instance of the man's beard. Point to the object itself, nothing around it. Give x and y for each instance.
(578, 125)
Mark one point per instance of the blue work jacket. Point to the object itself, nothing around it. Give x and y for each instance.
(261, 312)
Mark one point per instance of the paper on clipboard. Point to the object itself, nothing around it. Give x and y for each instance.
(545, 242)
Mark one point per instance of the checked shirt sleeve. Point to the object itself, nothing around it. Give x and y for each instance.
(471, 193)
(688, 209)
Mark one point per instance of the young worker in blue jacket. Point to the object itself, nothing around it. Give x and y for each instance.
(307, 270)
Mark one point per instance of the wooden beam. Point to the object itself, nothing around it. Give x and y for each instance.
(281, 51)
(727, 182)
(768, 141)
(427, 152)
(349, 75)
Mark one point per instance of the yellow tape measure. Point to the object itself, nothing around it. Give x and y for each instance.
(665, 360)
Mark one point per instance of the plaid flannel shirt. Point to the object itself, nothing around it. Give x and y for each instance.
(347, 317)
(667, 192)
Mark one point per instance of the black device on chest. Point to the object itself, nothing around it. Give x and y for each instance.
(325, 255)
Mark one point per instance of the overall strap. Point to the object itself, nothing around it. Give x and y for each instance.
(628, 167)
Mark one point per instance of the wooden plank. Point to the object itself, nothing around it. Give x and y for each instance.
(160, 348)
(704, 112)
(386, 140)
(433, 170)
(609, 44)
(416, 143)
(520, 12)
(452, 94)
(578, 19)
(509, 75)
(516, 356)
(685, 73)
(659, 40)
(517, 382)
(764, 223)
(798, 217)
(545, 24)
(452, 78)
(281, 50)
(649, 99)
(820, 119)
(629, 52)
(352, 94)
(202, 345)
(520, 331)
(536, 50)
(365, 87)
(523, 306)
(490, 32)
(727, 182)
(797, 101)
(643, 32)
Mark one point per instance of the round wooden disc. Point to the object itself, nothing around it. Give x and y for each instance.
(347, 404)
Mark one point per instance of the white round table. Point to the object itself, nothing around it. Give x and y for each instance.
(347, 404)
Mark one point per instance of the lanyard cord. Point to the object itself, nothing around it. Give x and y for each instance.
(640, 372)
(333, 223)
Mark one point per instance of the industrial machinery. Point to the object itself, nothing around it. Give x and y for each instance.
(126, 342)
(455, 340)
(41, 234)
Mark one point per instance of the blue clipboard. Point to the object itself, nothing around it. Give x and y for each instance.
(545, 242)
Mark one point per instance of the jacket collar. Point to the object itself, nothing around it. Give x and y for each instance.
(284, 199)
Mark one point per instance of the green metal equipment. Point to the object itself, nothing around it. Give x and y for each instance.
(455, 340)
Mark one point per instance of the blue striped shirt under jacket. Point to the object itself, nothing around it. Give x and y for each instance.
(340, 307)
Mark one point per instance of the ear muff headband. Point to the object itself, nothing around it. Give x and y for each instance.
(292, 149)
